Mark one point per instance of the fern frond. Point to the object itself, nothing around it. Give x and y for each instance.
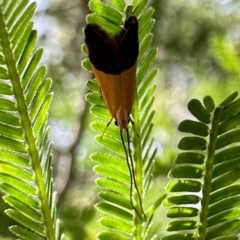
(25, 153)
(206, 173)
(115, 182)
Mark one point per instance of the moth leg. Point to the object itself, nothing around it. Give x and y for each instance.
(132, 122)
(106, 127)
(100, 92)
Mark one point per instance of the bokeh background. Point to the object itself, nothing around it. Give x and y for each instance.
(198, 45)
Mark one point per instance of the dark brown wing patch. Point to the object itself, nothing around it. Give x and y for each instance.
(113, 54)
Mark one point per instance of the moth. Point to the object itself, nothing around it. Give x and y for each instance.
(114, 64)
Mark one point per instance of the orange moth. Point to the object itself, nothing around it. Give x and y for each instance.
(114, 63)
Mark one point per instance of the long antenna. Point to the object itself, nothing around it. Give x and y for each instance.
(133, 173)
(132, 178)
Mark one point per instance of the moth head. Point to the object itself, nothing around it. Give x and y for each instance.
(122, 118)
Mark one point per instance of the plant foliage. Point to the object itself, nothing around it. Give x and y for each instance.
(205, 196)
(119, 218)
(25, 153)
(225, 55)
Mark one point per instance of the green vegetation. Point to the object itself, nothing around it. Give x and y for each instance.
(184, 141)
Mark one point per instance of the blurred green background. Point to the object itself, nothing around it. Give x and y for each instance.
(198, 54)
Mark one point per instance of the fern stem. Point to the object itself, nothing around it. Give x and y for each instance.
(208, 174)
(26, 125)
(138, 168)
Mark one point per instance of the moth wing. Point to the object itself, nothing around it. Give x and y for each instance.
(120, 88)
(129, 46)
(129, 50)
(99, 48)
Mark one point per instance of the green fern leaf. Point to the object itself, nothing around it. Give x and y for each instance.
(25, 153)
(207, 173)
